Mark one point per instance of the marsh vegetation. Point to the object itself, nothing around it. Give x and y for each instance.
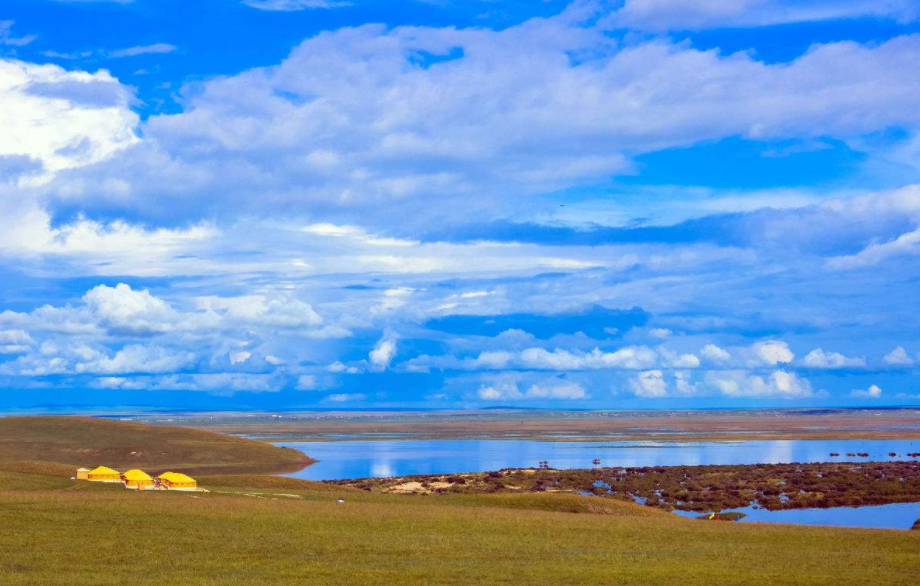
(694, 488)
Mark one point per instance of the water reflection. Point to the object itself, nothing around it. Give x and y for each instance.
(383, 458)
(893, 516)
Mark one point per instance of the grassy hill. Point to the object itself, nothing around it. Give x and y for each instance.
(263, 530)
(85, 441)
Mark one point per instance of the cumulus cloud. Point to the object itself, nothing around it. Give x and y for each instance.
(553, 389)
(649, 384)
(779, 384)
(772, 353)
(714, 354)
(338, 367)
(873, 392)
(559, 390)
(675, 360)
(124, 310)
(14, 341)
(62, 119)
(137, 359)
(384, 351)
(82, 358)
(630, 357)
(898, 357)
(260, 310)
(818, 358)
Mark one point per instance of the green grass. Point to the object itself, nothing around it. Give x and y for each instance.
(252, 529)
(84, 441)
(263, 530)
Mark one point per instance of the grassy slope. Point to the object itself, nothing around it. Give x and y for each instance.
(84, 441)
(257, 530)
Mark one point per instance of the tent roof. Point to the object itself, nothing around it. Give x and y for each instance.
(103, 470)
(82, 469)
(175, 477)
(136, 475)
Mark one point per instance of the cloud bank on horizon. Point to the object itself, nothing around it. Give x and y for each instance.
(593, 204)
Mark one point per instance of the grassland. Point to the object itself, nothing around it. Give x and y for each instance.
(262, 530)
(84, 441)
(256, 529)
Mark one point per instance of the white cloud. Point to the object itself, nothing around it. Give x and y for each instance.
(898, 357)
(137, 359)
(338, 367)
(260, 310)
(14, 341)
(126, 311)
(495, 359)
(348, 119)
(7, 38)
(384, 351)
(649, 384)
(907, 244)
(630, 357)
(772, 353)
(216, 383)
(660, 332)
(345, 397)
(554, 389)
(873, 392)
(307, 382)
(81, 358)
(675, 360)
(713, 353)
(155, 49)
(54, 119)
(779, 384)
(294, 5)
(120, 311)
(664, 15)
(818, 358)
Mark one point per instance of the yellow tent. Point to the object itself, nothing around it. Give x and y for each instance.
(82, 472)
(137, 479)
(177, 481)
(103, 474)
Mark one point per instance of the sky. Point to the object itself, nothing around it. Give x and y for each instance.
(422, 204)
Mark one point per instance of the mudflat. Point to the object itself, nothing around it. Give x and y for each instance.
(568, 425)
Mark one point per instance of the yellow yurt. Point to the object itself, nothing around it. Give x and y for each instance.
(177, 481)
(103, 474)
(81, 473)
(137, 480)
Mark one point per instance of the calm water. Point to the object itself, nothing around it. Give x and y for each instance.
(894, 516)
(382, 458)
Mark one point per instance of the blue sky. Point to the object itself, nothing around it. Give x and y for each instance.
(429, 204)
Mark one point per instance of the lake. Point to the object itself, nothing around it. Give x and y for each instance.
(385, 458)
(893, 516)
